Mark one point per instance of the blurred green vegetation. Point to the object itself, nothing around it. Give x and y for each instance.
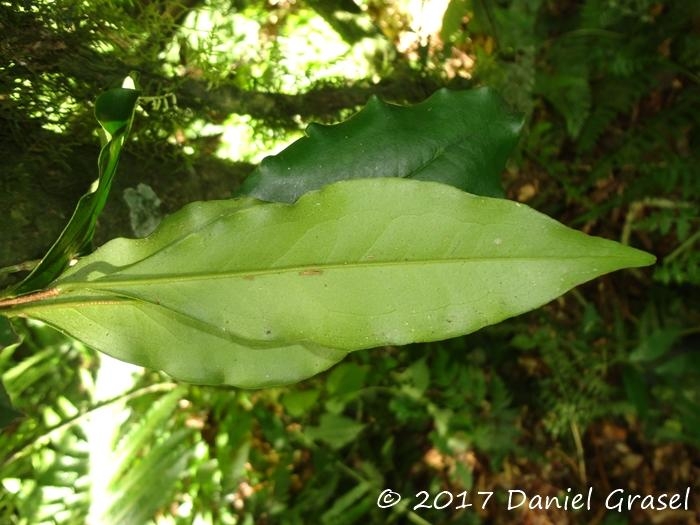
(597, 389)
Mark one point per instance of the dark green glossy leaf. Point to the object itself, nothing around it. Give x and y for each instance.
(461, 138)
(114, 111)
(254, 294)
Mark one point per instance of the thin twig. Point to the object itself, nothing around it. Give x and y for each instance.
(685, 245)
(25, 266)
(579, 451)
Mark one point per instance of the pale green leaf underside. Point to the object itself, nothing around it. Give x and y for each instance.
(253, 294)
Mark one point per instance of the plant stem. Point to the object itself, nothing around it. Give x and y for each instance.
(25, 266)
(28, 298)
(683, 247)
(579, 451)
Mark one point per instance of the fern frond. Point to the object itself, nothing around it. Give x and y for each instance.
(45, 462)
(145, 465)
(151, 481)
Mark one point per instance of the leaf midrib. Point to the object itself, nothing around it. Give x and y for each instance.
(251, 274)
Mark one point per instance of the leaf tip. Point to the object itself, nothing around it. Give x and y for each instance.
(636, 258)
(646, 258)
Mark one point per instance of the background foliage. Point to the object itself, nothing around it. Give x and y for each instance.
(598, 388)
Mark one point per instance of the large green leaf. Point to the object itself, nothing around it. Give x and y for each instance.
(461, 138)
(114, 110)
(253, 294)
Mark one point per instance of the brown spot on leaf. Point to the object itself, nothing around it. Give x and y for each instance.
(311, 271)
